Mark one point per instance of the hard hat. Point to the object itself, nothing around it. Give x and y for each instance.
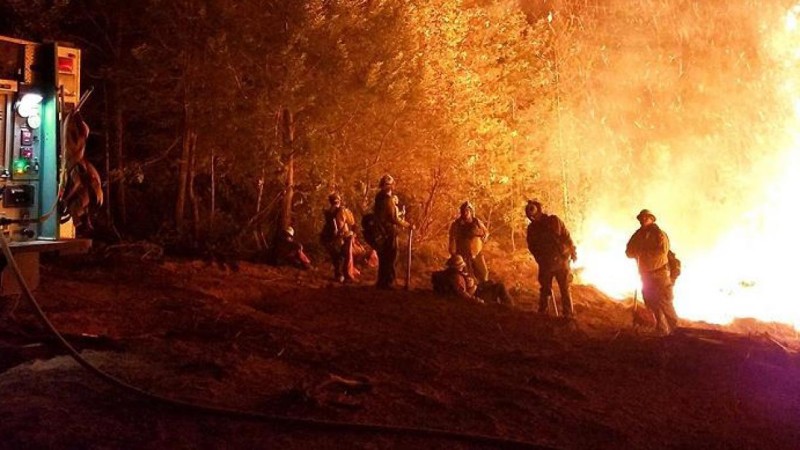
(289, 231)
(456, 261)
(532, 206)
(386, 180)
(645, 213)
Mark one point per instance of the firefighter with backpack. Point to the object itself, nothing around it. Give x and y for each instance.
(337, 237)
(381, 231)
(658, 268)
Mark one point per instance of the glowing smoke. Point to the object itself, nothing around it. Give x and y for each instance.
(689, 111)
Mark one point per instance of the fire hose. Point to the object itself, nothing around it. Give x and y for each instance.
(316, 424)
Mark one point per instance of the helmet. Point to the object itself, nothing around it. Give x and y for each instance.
(456, 261)
(289, 231)
(645, 213)
(466, 206)
(532, 207)
(334, 197)
(386, 180)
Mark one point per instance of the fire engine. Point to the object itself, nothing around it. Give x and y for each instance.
(39, 85)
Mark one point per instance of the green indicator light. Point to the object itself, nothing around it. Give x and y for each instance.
(20, 166)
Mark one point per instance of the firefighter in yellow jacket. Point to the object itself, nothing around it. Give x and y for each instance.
(467, 235)
(388, 218)
(337, 236)
(649, 245)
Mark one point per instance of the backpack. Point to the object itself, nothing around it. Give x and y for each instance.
(440, 283)
(329, 230)
(674, 265)
(373, 233)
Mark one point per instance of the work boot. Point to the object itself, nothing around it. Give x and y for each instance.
(544, 304)
(567, 310)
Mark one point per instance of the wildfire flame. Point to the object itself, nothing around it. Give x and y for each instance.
(747, 271)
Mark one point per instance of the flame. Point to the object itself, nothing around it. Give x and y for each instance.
(750, 270)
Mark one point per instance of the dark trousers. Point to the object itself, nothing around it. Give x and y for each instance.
(387, 258)
(494, 292)
(562, 276)
(342, 258)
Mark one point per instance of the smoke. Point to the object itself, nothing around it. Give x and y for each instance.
(667, 120)
(685, 108)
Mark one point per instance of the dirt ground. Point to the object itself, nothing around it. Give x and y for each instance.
(288, 343)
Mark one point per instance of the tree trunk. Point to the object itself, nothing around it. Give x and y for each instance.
(284, 131)
(189, 134)
(287, 129)
(212, 214)
(107, 140)
(183, 176)
(426, 217)
(286, 211)
(119, 150)
(512, 221)
(191, 192)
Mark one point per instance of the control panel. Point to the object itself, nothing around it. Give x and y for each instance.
(19, 166)
(39, 83)
(21, 141)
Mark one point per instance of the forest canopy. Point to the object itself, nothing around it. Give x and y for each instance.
(214, 118)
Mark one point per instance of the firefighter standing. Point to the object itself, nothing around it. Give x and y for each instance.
(467, 235)
(387, 219)
(649, 245)
(551, 246)
(337, 237)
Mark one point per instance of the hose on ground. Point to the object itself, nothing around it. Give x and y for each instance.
(295, 422)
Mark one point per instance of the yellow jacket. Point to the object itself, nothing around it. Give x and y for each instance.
(466, 238)
(649, 246)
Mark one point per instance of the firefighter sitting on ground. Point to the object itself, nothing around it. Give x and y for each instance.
(551, 246)
(290, 253)
(455, 281)
(337, 237)
(466, 237)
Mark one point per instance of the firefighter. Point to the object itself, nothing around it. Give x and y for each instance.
(337, 237)
(387, 220)
(456, 281)
(289, 252)
(551, 246)
(649, 245)
(467, 235)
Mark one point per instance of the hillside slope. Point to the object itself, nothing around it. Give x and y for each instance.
(284, 342)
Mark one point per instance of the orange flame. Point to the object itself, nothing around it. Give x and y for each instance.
(747, 271)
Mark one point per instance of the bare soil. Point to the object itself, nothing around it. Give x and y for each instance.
(278, 341)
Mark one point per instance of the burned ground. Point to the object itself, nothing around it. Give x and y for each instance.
(284, 342)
